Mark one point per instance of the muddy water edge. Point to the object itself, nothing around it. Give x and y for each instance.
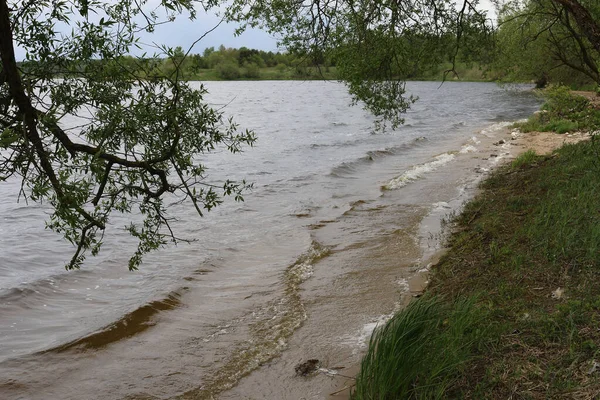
(359, 287)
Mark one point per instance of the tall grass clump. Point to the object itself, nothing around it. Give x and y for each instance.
(418, 354)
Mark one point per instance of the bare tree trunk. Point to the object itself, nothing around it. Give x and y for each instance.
(589, 27)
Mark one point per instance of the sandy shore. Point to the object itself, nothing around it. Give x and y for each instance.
(512, 141)
(546, 142)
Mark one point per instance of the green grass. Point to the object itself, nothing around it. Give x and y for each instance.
(420, 352)
(534, 228)
(563, 113)
(524, 159)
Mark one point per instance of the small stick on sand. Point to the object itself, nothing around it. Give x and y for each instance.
(341, 390)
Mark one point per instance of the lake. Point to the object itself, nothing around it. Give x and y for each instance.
(319, 253)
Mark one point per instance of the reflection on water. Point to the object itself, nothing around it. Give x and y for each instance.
(316, 253)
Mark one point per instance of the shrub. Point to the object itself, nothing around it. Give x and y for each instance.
(251, 71)
(562, 104)
(562, 126)
(228, 71)
(563, 112)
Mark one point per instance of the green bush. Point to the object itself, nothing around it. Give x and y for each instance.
(229, 71)
(251, 71)
(562, 104)
(562, 126)
(563, 112)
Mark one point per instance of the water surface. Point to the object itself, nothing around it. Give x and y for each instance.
(320, 250)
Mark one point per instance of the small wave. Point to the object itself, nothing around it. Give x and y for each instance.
(305, 210)
(340, 144)
(130, 324)
(358, 203)
(360, 339)
(275, 324)
(350, 167)
(468, 149)
(48, 285)
(441, 205)
(302, 269)
(301, 178)
(260, 173)
(403, 284)
(418, 171)
(491, 130)
(373, 154)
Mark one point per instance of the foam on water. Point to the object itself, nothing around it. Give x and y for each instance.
(403, 284)
(418, 171)
(359, 340)
(491, 130)
(468, 149)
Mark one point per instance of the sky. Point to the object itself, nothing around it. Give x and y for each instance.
(183, 32)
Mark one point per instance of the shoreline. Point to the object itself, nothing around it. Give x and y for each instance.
(515, 143)
(511, 291)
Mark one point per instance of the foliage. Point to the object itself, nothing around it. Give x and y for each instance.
(541, 40)
(251, 71)
(139, 131)
(375, 46)
(234, 64)
(228, 71)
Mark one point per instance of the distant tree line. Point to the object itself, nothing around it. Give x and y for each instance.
(243, 63)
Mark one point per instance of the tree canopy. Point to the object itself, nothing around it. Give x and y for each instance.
(141, 129)
(549, 40)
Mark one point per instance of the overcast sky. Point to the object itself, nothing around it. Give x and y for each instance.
(183, 32)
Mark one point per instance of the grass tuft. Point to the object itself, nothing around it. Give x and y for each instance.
(420, 352)
(524, 159)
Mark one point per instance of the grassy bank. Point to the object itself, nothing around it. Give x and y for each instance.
(513, 309)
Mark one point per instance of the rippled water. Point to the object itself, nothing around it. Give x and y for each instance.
(318, 251)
